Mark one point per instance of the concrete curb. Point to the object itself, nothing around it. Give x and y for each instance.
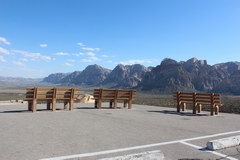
(150, 155)
(223, 143)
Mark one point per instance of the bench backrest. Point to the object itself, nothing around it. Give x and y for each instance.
(114, 94)
(197, 98)
(51, 93)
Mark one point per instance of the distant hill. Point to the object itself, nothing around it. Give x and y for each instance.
(18, 81)
(91, 75)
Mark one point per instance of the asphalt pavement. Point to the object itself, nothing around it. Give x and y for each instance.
(89, 133)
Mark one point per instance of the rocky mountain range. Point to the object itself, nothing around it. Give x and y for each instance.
(121, 76)
(170, 75)
(193, 75)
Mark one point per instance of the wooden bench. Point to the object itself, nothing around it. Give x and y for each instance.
(197, 100)
(113, 96)
(51, 96)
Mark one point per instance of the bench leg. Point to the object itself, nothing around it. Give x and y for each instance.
(54, 105)
(111, 104)
(48, 105)
(99, 104)
(216, 109)
(115, 104)
(71, 105)
(34, 106)
(178, 107)
(212, 110)
(199, 108)
(96, 104)
(65, 105)
(125, 104)
(129, 104)
(194, 108)
(184, 106)
(29, 105)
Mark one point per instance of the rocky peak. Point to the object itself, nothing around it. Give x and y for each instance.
(192, 60)
(194, 65)
(168, 61)
(92, 75)
(55, 77)
(126, 75)
(95, 69)
(195, 61)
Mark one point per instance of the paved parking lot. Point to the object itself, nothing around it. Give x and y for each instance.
(88, 133)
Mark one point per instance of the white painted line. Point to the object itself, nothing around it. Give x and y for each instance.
(206, 150)
(210, 136)
(191, 145)
(137, 147)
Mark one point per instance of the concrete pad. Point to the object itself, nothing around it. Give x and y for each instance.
(151, 155)
(223, 143)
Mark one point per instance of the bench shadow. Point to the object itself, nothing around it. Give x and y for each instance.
(26, 111)
(85, 108)
(97, 108)
(58, 109)
(178, 113)
(15, 111)
(21, 111)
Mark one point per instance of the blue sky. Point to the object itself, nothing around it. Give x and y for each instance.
(48, 36)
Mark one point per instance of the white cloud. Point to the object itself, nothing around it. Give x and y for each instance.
(80, 44)
(85, 54)
(2, 59)
(4, 51)
(68, 64)
(4, 41)
(90, 59)
(136, 61)
(43, 45)
(18, 63)
(90, 49)
(61, 54)
(105, 56)
(71, 60)
(110, 61)
(46, 58)
(24, 59)
(34, 56)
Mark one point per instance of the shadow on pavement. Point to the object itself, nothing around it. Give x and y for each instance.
(58, 109)
(179, 113)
